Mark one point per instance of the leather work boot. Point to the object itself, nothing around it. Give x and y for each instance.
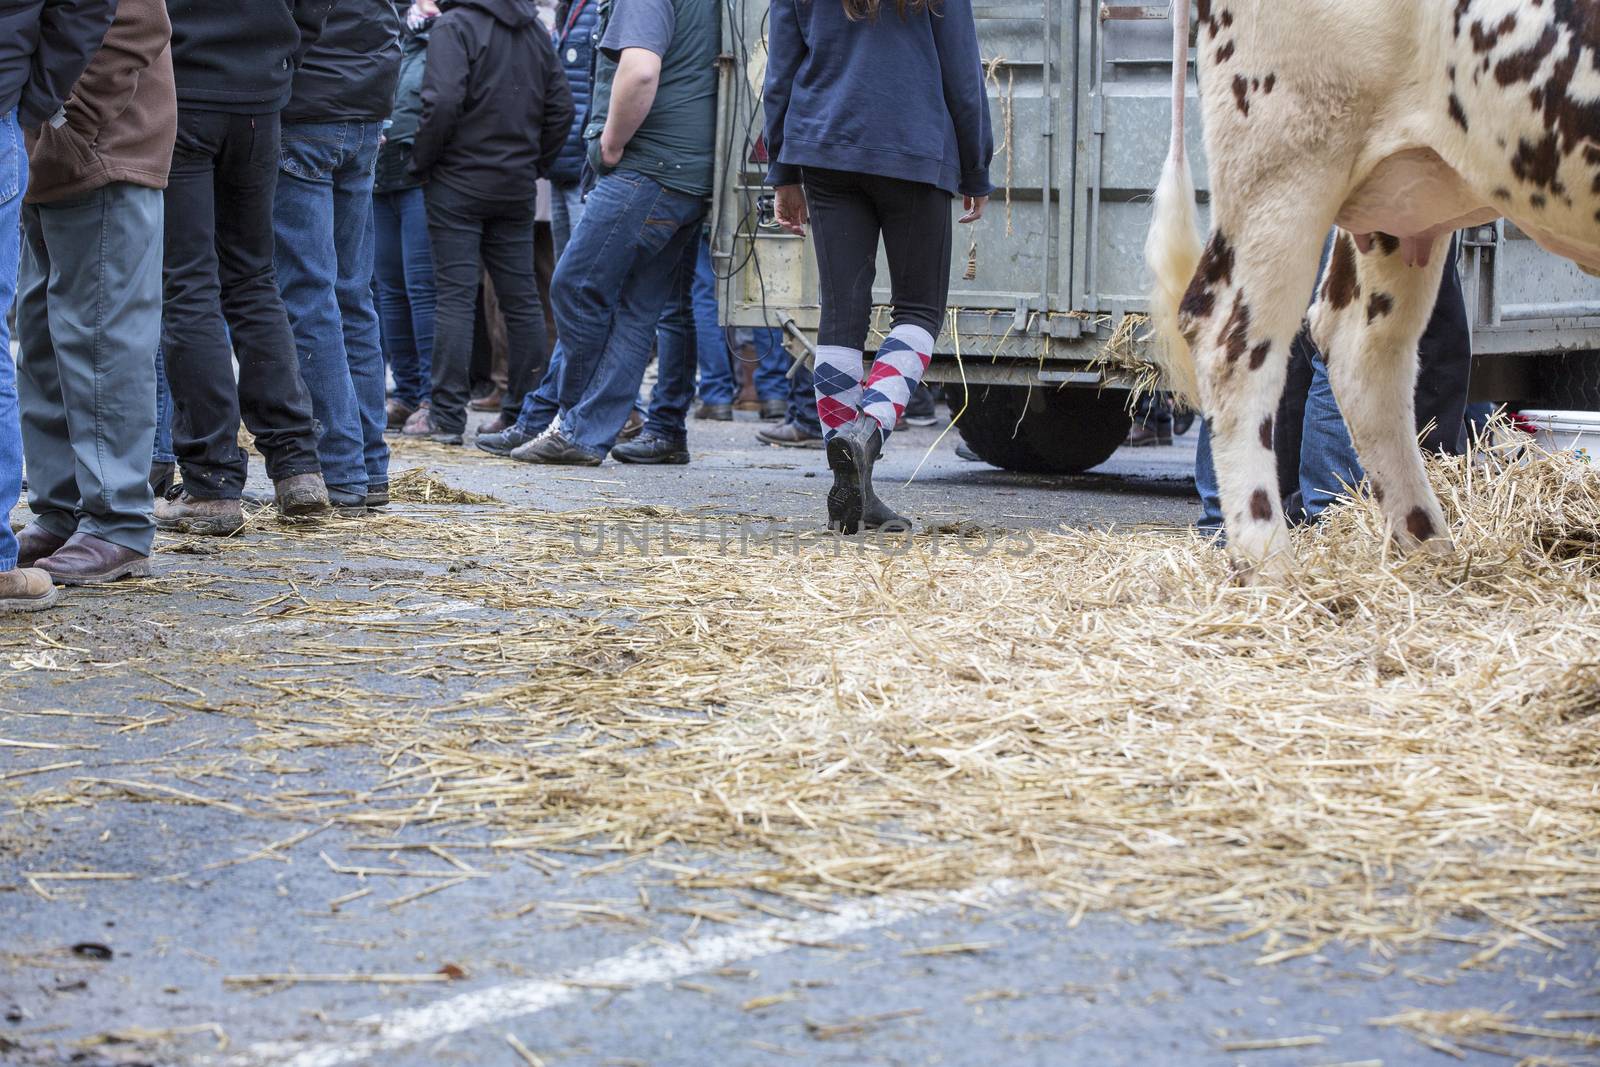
(1142, 436)
(377, 495)
(300, 495)
(348, 502)
(790, 435)
(208, 518)
(89, 560)
(632, 428)
(774, 409)
(26, 589)
(34, 543)
(852, 504)
(714, 412)
(418, 422)
(489, 401)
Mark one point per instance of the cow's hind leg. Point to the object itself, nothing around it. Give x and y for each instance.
(1369, 317)
(1240, 316)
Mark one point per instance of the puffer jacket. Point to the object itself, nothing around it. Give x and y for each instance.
(349, 74)
(575, 45)
(395, 156)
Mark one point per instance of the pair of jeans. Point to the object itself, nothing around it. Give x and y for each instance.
(88, 317)
(679, 349)
(13, 182)
(324, 226)
(163, 448)
(566, 210)
(222, 303)
(717, 382)
(616, 275)
(469, 234)
(404, 271)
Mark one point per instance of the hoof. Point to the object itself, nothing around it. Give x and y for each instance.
(1275, 569)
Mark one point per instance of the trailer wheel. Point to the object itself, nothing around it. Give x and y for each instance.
(1042, 430)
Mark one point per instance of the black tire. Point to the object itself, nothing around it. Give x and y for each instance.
(1042, 430)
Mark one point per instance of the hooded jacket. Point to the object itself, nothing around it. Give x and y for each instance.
(122, 116)
(495, 104)
(349, 74)
(394, 155)
(44, 46)
(240, 57)
(575, 45)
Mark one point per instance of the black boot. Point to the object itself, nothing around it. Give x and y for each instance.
(852, 504)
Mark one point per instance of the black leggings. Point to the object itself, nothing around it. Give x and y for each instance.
(848, 213)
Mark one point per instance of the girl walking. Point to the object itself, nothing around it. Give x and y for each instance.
(876, 118)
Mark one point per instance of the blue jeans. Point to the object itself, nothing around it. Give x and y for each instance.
(13, 180)
(609, 289)
(679, 348)
(404, 270)
(566, 210)
(322, 221)
(803, 399)
(163, 449)
(717, 384)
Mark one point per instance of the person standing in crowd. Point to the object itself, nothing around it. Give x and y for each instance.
(43, 50)
(718, 359)
(404, 260)
(343, 91)
(801, 426)
(89, 307)
(575, 46)
(651, 138)
(233, 64)
(495, 113)
(855, 170)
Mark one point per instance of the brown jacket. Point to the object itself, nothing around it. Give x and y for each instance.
(122, 117)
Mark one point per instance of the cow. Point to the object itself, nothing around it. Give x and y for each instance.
(1397, 123)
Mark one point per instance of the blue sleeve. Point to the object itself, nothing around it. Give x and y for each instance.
(786, 50)
(956, 35)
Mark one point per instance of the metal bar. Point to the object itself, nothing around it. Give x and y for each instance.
(1577, 309)
(1134, 11)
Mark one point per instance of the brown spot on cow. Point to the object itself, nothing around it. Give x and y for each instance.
(1266, 433)
(1484, 38)
(1225, 53)
(1538, 201)
(1259, 354)
(1378, 306)
(1342, 286)
(1261, 506)
(1200, 300)
(1419, 525)
(1458, 113)
(1235, 335)
(1387, 244)
(1241, 95)
(1503, 195)
(1268, 84)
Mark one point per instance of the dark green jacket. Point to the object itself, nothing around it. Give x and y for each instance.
(401, 133)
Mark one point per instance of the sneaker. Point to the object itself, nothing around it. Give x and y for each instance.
(554, 447)
(505, 441)
(417, 425)
(652, 448)
(26, 589)
(714, 412)
(208, 518)
(632, 428)
(1144, 437)
(774, 410)
(300, 495)
(921, 410)
(790, 435)
(396, 413)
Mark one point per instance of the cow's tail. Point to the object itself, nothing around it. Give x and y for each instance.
(1173, 247)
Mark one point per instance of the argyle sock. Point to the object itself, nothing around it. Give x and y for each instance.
(838, 386)
(902, 360)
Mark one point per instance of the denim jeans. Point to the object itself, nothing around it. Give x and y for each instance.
(617, 274)
(566, 209)
(679, 347)
(404, 269)
(13, 180)
(323, 223)
(163, 448)
(470, 235)
(717, 382)
(88, 317)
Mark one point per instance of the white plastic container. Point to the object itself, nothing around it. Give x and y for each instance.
(1568, 431)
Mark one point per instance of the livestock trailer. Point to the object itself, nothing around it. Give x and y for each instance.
(1042, 339)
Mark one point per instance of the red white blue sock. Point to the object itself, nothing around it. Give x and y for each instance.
(896, 372)
(838, 377)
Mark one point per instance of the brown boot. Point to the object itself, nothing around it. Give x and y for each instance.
(208, 518)
(88, 560)
(300, 495)
(396, 413)
(489, 401)
(34, 543)
(26, 589)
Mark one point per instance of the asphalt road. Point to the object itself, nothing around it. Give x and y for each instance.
(570, 957)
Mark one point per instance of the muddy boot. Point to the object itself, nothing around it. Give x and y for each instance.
(300, 495)
(26, 589)
(209, 518)
(852, 504)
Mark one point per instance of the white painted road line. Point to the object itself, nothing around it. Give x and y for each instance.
(647, 965)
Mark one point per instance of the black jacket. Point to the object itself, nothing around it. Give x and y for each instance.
(240, 57)
(495, 104)
(394, 156)
(44, 46)
(350, 73)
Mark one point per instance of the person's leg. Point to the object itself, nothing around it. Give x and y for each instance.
(772, 368)
(104, 311)
(1205, 483)
(508, 257)
(675, 356)
(1444, 362)
(916, 221)
(394, 303)
(46, 438)
(711, 345)
(273, 399)
(844, 226)
(1329, 466)
(544, 270)
(194, 335)
(162, 455)
(307, 261)
(566, 209)
(418, 251)
(353, 237)
(803, 401)
(455, 232)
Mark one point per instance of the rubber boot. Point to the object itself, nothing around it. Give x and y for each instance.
(852, 503)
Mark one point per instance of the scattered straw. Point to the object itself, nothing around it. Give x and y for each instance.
(418, 486)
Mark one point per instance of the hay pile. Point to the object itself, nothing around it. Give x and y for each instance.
(1382, 745)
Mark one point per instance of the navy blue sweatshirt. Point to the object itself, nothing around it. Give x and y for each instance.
(891, 97)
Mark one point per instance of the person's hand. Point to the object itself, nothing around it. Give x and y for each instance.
(974, 206)
(610, 154)
(792, 212)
